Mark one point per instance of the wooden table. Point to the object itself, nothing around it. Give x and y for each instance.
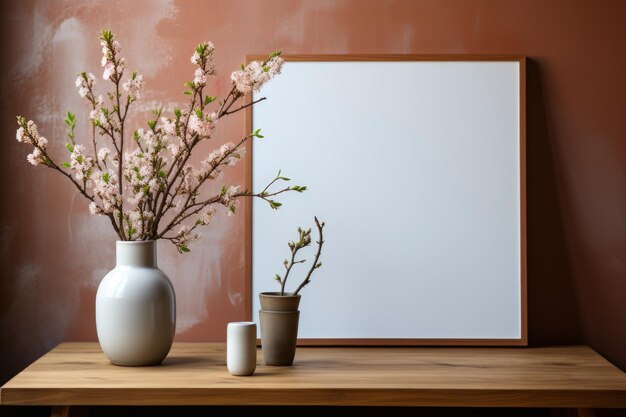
(78, 374)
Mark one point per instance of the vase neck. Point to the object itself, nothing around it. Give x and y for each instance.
(137, 253)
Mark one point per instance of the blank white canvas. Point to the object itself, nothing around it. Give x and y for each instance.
(415, 167)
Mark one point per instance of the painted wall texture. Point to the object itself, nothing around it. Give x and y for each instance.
(53, 252)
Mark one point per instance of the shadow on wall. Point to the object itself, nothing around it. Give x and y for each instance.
(553, 316)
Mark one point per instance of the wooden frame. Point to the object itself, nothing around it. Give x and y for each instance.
(523, 340)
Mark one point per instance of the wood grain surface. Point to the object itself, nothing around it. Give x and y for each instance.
(196, 374)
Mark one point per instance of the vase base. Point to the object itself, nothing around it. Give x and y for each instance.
(135, 364)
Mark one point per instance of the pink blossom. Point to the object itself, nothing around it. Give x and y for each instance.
(19, 135)
(108, 52)
(185, 236)
(203, 57)
(139, 219)
(109, 70)
(255, 74)
(226, 154)
(203, 125)
(154, 140)
(174, 149)
(81, 164)
(31, 135)
(199, 77)
(205, 217)
(85, 82)
(97, 115)
(133, 86)
(94, 209)
(35, 157)
(228, 199)
(190, 179)
(168, 126)
(195, 58)
(105, 187)
(103, 153)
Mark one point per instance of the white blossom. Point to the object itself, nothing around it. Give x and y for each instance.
(203, 124)
(103, 153)
(133, 86)
(35, 157)
(81, 164)
(255, 74)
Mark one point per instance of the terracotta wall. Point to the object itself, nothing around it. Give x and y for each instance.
(53, 253)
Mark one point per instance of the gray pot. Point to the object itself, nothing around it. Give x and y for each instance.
(279, 318)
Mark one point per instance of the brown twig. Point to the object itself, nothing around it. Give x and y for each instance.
(316, 264)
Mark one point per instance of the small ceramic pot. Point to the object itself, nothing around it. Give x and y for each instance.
(273, 301)
(279, 318)
(241, 348)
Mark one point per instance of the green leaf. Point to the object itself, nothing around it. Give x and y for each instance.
(178, 113)
(188, 93)
(209, 99)
(106, 35)
(69, 147)
(243, 67)
(152, 124)
(184, 249)
(66, 165)
(190, 84)
(106, 177)
(257, 134)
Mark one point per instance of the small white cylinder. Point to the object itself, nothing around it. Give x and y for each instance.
(241, 348)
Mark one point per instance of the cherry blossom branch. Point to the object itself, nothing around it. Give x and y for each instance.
(194, 192)
(153, 183)
(316, 264)
(28, 133)
(303, 241)
(264, 196)
(226, 113)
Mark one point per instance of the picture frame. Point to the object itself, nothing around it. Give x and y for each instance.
(442, 64)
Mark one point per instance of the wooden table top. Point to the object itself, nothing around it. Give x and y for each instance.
(196, 374)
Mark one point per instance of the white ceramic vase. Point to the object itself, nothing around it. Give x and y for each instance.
(136, 307)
